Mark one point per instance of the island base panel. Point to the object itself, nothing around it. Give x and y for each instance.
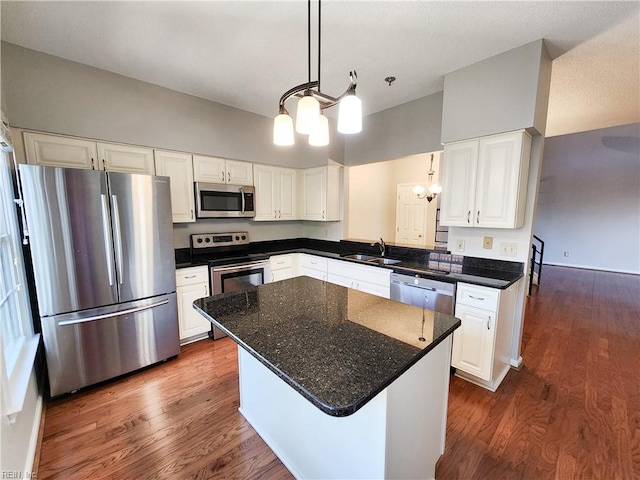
(397, 434)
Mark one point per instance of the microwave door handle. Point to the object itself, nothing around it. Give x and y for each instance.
(242, 196)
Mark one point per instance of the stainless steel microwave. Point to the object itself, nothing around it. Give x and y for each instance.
(215, 200)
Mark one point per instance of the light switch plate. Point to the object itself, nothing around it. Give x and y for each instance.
(487, 242)
(508, 249)
(459, 245)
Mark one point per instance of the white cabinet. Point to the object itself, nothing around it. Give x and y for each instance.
(283, 267)
(275, 193)
(222, 170)
(482, 344)
(484, 181)
(373, 280)
(321, 193)
(312, 266)
(61, 151)
(177, 166)
(126, 158)
(191, 284)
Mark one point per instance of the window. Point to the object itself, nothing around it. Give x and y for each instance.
(18, 343)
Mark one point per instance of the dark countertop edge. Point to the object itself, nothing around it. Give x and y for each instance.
(328, 409)
(449, 277)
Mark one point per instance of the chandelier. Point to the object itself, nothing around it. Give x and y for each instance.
(312, 101)
(433, 188)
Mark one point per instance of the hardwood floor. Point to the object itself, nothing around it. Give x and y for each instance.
(572, 411)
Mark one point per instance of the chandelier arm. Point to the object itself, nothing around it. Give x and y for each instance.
(309, 39)
(292, 91)
(319, 43)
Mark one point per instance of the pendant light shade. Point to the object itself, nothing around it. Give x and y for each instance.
(350, 114)
(418, 190)
(319, 137)
(435, 188)
(283, 130)
(307, 115)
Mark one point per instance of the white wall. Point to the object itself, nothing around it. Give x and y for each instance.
(589, 199)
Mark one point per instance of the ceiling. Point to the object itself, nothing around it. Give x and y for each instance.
(247, 54)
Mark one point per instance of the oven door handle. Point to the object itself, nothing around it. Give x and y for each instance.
(242, 266)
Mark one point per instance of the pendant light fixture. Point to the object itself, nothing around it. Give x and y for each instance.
(309, 118)
(434, 188)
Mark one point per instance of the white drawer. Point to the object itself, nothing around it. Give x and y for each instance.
(377, 275)
(479, 297)
(280, 261)
(191, 275)
(313, 262)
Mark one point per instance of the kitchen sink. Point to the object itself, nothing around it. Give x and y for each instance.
(361, 257)
(384, 261)
(372, 259)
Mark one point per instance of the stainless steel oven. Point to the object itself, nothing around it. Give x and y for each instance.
(234, 277)
(231, 266)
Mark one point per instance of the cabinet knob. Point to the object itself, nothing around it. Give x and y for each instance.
(275, 214)
(478, 217)
(488, 322)
(228, 176)
(469, 216)
(222, 177)
(104, 164)
(323, 214)
(93, 164)
(192, 214)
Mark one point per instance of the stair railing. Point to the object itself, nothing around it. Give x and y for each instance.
(537, 253)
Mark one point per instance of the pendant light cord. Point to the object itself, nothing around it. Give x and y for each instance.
(319, 43)
(309, 39)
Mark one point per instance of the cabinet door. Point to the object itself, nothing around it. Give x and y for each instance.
(209, 169)
(310, 272)
(56, 151)
(191, 322)
(497, 181)
(177, 166)
(266, 193)
(314, 196)
(459, 162)
(281, 274)
(239, 173)
(473, 341)
(287, 208)
(126, 158)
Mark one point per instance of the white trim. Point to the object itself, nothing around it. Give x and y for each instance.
(592, 267)
(33, 439)
(517, 364)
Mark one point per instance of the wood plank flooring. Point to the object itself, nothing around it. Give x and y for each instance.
(572, 411)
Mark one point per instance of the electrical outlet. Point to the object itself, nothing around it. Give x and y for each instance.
(487, 242)
(566, 254)
(459, 245)
(508, 249)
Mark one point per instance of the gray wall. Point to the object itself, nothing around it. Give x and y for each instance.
(500, 94)
(589, 199)
(50, 94)
(407, 129)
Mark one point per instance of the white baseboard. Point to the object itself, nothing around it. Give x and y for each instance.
(517, 364)
(592, 267)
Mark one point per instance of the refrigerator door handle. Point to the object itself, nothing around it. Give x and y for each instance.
(106, 232)
(118, 234)
(110, 315)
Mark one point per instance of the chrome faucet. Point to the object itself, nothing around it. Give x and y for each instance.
(381, 245)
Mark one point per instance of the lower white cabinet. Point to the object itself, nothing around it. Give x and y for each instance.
(192, 284)
(312, 266)
(373, 280)
(482, 344)
(177, 166)
(282, 267)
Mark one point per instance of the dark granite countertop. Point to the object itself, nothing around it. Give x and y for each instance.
(336, 346)
(428, 263)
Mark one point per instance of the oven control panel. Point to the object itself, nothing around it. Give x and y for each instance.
(212, 240)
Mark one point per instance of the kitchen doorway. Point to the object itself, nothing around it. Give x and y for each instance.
(414, 225)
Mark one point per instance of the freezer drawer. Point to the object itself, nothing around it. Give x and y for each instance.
(87, 347)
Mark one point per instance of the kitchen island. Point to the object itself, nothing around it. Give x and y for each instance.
(340, 383)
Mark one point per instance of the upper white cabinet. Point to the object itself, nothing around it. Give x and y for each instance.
(222, 170)
(484, 181)
(275, 193)
(177, 166)
(321, 193)
(126, 158)
(61, 151)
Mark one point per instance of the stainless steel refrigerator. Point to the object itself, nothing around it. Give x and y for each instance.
(103, 262)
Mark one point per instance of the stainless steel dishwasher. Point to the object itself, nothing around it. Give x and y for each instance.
(423, 292)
